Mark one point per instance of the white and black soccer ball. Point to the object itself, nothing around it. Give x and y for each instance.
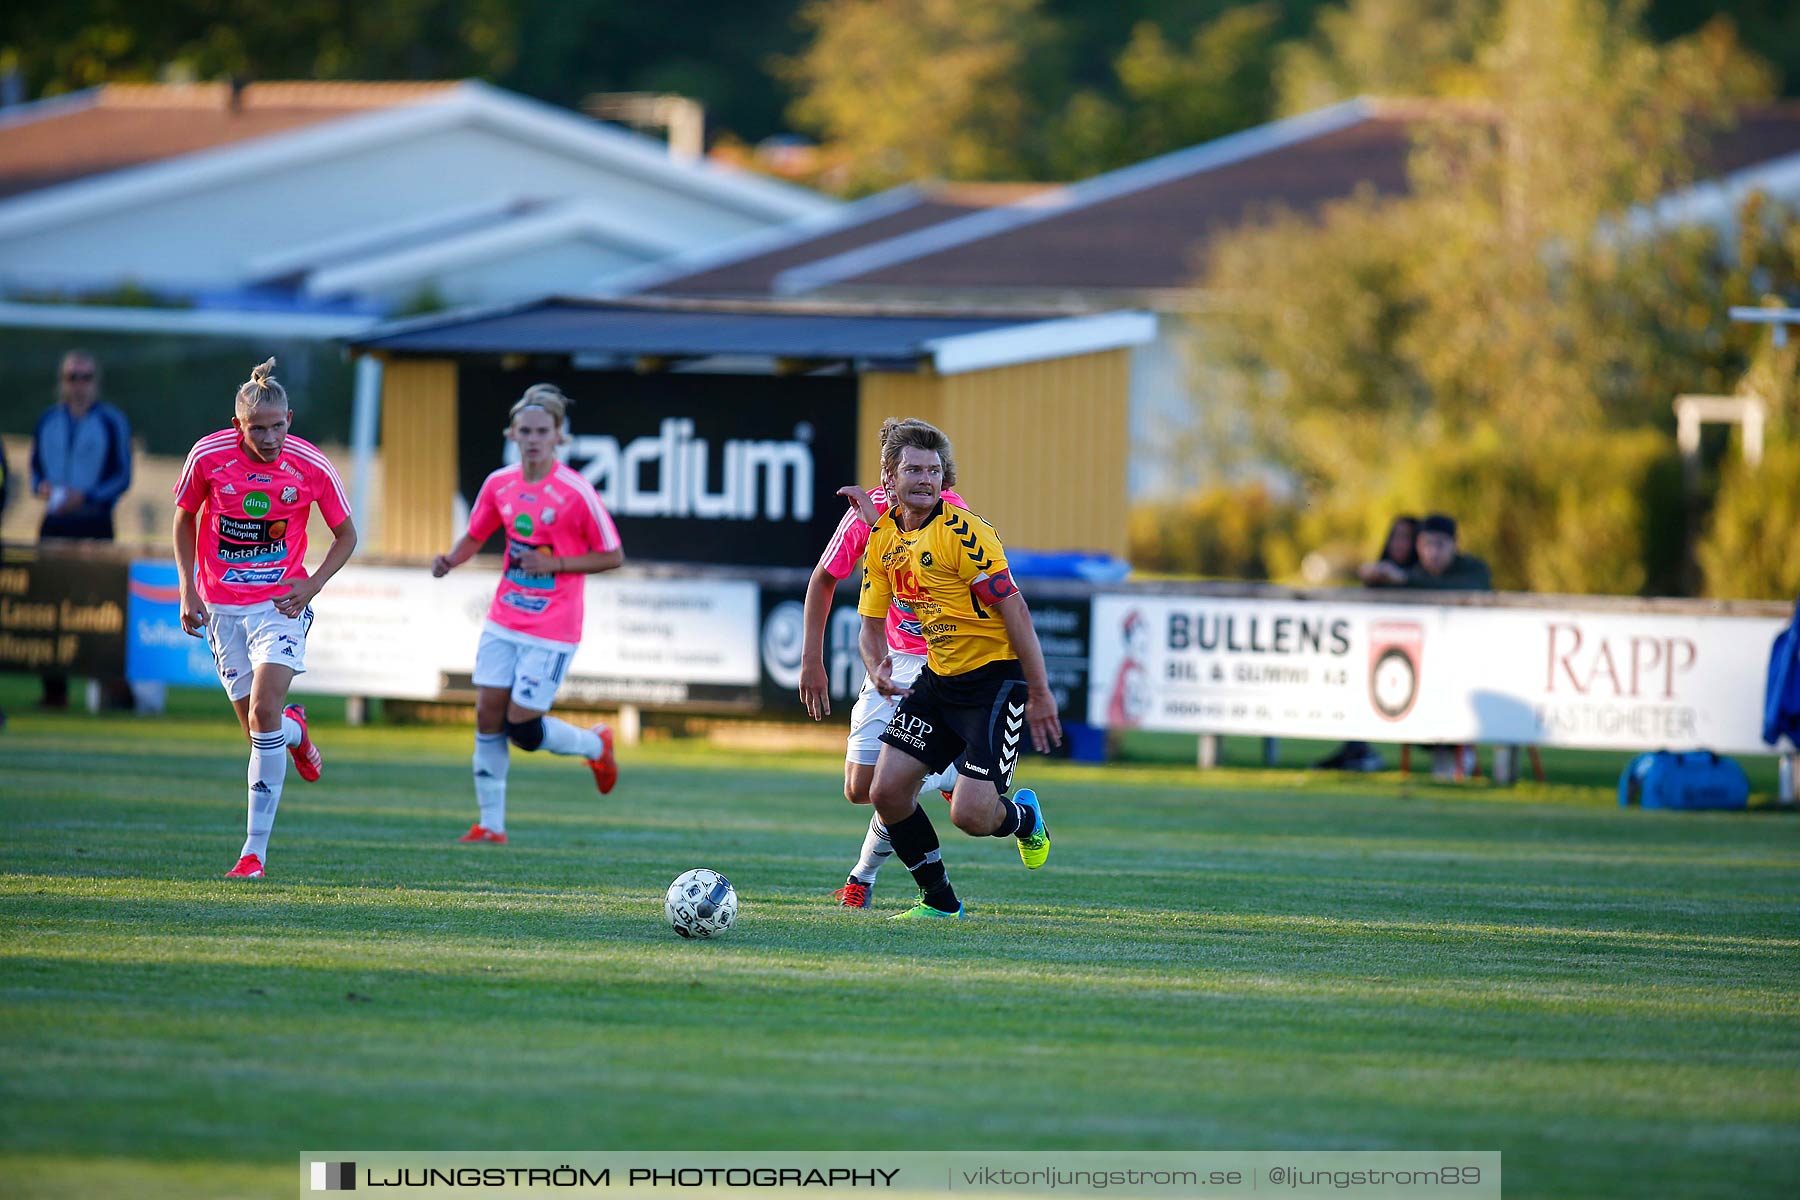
(700, 904)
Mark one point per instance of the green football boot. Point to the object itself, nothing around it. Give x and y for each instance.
(923, 911)
(1035, 849)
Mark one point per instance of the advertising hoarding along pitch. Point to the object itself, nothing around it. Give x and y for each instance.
(1424, 674)
(397, 632)
(62, 609)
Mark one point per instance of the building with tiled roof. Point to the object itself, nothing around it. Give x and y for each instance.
(361, 196)
(1139, 236)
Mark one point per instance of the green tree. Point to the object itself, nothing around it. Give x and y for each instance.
(1222, 532)
(78, 43)
(1169, 96)
(918, 89)
(1511, 302)
(1381, 48)
(1751, 549)
(1751, 545)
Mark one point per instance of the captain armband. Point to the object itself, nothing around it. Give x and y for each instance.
(989, 590)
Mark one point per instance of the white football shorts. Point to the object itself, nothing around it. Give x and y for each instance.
(532, 670)
(873, 710)
(241, 642)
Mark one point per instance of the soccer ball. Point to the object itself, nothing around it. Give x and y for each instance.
(700, 904)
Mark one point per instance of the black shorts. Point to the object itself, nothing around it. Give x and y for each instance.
(976, 720)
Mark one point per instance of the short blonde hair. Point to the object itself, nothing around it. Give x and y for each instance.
(546, 396)
(898, 433)
(261, 388)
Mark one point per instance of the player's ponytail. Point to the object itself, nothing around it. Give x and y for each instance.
(262, 388)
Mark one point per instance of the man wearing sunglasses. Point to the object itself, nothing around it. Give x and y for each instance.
(80, 455)
(80, 466)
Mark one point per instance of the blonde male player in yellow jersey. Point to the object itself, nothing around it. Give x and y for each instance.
(983, 685)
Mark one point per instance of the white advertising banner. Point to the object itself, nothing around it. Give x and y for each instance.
(1422, 673)
(396, 631)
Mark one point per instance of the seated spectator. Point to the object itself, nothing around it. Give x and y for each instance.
(1398, 555)
(1389, 570)
(1441, 566)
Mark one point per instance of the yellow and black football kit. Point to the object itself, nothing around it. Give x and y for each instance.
(969, 700)
(933, 571)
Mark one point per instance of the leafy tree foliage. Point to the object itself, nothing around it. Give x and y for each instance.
(1499, 337)
(1751, 549)
(1096, 83)
(1170, 95)
(1382, 48)
(911, 89)
(78, 43)
(1241, 531)
(1751, 545)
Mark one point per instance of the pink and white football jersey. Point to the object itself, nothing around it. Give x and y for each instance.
(560, 513)
(844, 553)
(252, 526)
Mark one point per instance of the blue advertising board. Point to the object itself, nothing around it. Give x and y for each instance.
(156, 649)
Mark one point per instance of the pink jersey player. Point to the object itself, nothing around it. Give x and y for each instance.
(560, 515)
(252, 516)
(240, 549)
(557, 534)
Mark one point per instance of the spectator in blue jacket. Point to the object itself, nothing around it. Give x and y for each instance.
(80, 455)
(80, 466)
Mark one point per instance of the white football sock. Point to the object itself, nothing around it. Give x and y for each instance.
(492, 757)
(268, 769)
(876, 850)
(560, 737)
(943, 781)
(290, 729)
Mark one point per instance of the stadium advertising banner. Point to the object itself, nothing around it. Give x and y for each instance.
(61, 610)
(157, 649)
(1063, 633)
(783, 634)
(1423, 674)
(396, 631)
(703, 468)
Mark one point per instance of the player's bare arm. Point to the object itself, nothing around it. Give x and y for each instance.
(541, 562)
(300, 593)
(460, 553)
(815, 693)
(859, 500)
(193, 609)
(872, 644)
(1040, 702)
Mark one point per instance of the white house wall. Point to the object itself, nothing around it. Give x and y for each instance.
(205, 240)
(567, 266)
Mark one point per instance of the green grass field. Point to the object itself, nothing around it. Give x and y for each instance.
(1246, 960)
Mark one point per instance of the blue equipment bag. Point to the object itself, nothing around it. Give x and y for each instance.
(1691, 780)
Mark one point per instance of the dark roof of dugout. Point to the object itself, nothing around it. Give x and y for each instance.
(692, 329)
